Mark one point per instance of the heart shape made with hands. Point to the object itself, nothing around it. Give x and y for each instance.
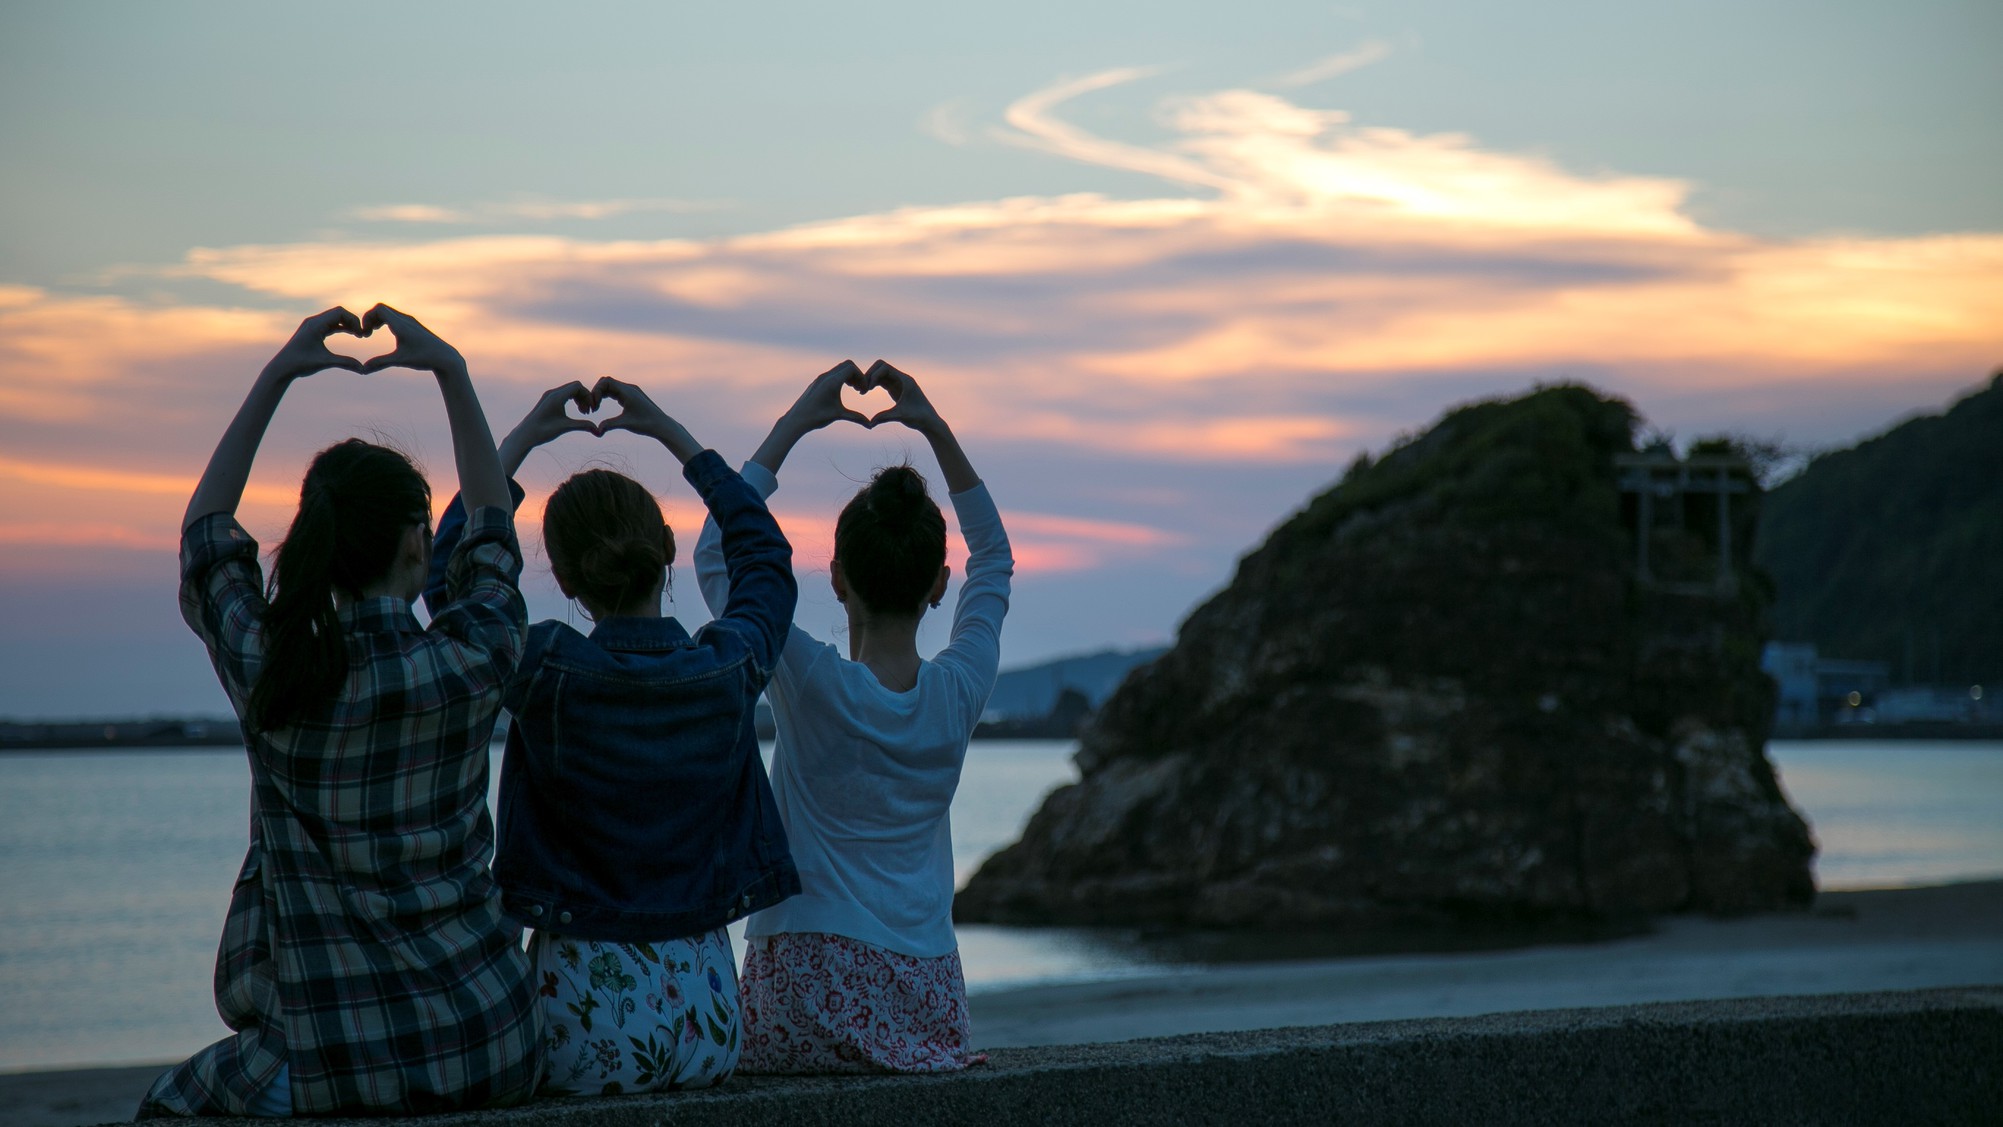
(870, 403)
(363, 348)
(595, 409)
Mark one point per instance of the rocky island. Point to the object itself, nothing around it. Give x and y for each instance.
(1508, 673)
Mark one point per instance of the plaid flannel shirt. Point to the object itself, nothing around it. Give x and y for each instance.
(365, 945)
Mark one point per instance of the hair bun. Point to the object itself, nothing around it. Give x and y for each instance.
(622, 564)
(896, 491)
(891, 541)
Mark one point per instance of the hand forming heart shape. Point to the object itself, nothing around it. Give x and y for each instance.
(868, 402)
(908, 404)
(826, 399)
(415, 346)
(349, 345)
(412, 345)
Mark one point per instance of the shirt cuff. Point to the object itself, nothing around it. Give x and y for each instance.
(761, 479)
(489, 522)
(212, 539)
(705, 470)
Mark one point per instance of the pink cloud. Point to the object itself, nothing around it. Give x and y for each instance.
(1303, 287)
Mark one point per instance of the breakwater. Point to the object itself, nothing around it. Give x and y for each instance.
(1912, 1057)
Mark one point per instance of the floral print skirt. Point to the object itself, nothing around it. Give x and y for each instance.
(636, 1017)
(827, 1003)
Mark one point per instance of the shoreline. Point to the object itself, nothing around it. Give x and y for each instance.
(1850, 942)
(179, 741)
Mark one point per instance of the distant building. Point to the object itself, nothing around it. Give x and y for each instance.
(1792, 666)
(1817, 690)
(1932, 704)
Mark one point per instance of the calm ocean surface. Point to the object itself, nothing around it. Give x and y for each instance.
(115, 870)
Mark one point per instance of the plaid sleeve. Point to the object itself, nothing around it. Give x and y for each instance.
(445, 544)
(484, 610)
(222, 599)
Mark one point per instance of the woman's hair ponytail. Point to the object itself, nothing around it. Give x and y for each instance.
(891, 541)
(354, 506)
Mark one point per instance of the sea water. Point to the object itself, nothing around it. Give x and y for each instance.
(115, 869)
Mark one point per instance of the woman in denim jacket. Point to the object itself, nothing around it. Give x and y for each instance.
(636, 819)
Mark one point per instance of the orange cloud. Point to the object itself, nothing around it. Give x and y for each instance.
(84, 534)
(1102, 531)
(1044, 543)
(1302, 287)
(527, 210)
(94, 479)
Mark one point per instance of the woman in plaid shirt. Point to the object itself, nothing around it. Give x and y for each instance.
(366, 966)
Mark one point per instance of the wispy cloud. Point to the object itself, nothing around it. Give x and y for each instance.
(947, 122)
(1111, 532)
(1036, 126)
(85, 534)
(99, 479)
(1272, 158)
(62, 503)
(526, 210)
(1336, 65)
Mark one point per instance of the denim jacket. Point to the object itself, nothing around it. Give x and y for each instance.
(634, 805)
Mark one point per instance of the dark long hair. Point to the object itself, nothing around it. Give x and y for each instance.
(891, 542)
(355, 504)
(607, 541)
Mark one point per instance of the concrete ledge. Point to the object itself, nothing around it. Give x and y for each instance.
(1933, 1056)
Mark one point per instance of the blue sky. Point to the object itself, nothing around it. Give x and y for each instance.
(1173, 264)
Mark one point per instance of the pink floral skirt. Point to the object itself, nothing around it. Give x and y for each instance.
(814, 1002)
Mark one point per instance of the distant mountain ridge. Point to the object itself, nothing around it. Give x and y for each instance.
(1892, 550)
(1033, 690)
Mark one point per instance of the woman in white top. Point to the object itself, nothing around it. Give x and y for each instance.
(861, 971)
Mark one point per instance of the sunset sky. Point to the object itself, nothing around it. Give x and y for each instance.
(1166, 267)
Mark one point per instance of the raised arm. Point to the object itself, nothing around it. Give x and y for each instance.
(974, 647)
(758, 560)
(481, 481)
(638, 414)
(910, 407)
(817, 406)
(221, 487)
(545, 422)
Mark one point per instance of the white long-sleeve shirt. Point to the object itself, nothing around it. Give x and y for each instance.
(864, 776)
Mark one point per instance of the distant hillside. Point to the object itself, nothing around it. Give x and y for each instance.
(1033, 691)
(1893, 550)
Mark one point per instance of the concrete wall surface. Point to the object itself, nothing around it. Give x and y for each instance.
(1931, 1056)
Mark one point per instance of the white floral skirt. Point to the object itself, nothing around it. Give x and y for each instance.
(636, 1017)
(827, 1003)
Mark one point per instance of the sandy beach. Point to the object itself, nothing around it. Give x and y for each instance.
(1852, 941)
